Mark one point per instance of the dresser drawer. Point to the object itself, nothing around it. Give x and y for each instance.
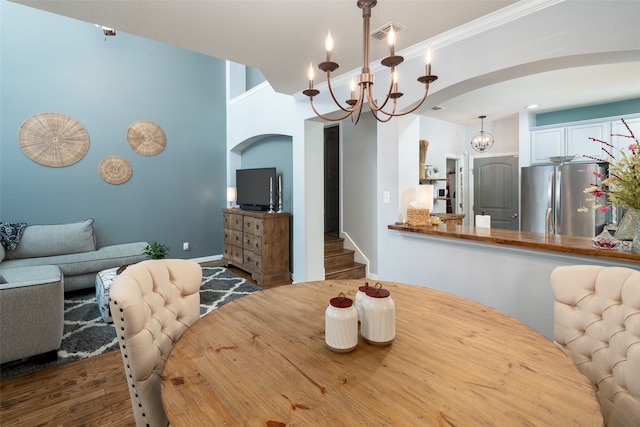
(233, 221)
(253, 243)
(252, 261)
(233, 237)
(253, 226)
(233, 253)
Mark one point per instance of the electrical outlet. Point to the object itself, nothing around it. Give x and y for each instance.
(185, 246)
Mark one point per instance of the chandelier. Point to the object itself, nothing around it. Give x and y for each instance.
(482, 141)
(354, 104)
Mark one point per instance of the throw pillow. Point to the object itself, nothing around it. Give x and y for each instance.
(2, 280)
(56, 239)
(10, 233)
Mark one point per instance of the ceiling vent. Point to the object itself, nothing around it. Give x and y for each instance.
(437, 107)
(381, 33)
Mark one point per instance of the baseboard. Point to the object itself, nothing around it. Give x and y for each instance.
(207, 258)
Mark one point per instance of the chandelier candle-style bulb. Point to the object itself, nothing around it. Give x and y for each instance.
(311, 92)
(394, 88)
(391, 41)
(329, 46)
(427, 60)
(311, 74)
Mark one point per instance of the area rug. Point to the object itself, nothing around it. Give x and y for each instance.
(86, 334)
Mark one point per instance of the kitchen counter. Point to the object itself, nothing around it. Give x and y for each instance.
(450, 218)
(523, 239)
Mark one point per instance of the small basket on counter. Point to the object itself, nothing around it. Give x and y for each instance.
(418, 216)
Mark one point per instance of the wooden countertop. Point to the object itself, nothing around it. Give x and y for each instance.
(523, 239)
(448, 215)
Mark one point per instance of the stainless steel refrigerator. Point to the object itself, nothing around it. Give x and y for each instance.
(553, 199)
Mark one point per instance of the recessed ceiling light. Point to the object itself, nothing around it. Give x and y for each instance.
(531, 107)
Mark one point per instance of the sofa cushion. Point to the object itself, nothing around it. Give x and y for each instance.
(51, 240)
(29, 276)
(86, 262)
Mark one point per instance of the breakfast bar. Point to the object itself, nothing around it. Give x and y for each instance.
(506, 270)
(522, 239)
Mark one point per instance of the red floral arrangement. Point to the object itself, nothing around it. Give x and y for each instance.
(622, 186)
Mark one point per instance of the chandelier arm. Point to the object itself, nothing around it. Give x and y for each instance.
(378, 118)
(372, 102)
(378, 110)
(404, 113)
(323, 117)
(356, 118)
(348, 110)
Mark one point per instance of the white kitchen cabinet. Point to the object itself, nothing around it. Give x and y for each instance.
(618, 128)
(546, 143)
(568, 141)
(579, 144)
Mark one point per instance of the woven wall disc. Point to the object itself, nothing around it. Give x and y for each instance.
(115, 170)
(146, 138)
(53, 139)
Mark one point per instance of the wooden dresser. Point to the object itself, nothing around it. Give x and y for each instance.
(258, 243)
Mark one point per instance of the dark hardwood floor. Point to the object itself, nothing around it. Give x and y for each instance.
(88, 392)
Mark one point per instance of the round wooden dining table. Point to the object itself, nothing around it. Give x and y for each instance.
(262, 360)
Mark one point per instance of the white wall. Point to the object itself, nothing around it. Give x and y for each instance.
(358, 183)
(514, 281)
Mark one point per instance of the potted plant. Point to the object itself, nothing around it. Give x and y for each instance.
(156, 250)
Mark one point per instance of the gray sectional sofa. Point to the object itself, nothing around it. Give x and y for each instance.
(72, 248)
(48, 261)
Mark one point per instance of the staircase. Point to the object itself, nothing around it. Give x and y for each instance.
(339, 262)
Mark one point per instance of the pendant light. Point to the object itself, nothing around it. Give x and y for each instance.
(482, 141)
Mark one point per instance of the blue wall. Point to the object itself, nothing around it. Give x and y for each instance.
(56, 64)
(276, 151)
(631, 106)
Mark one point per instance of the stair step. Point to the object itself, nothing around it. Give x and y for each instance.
(357, 271)
(333, 244)
(339, 262)
(337, 259)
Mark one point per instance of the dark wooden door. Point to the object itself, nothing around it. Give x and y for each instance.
(495, 190)
(331, 179)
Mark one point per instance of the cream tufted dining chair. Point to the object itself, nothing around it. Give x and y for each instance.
(597, 323)
(152, 303)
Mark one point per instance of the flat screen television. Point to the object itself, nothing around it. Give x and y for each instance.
(252, 188)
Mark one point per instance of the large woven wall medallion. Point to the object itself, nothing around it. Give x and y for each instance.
(53, 139)
(146, 138)
(115, 170)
